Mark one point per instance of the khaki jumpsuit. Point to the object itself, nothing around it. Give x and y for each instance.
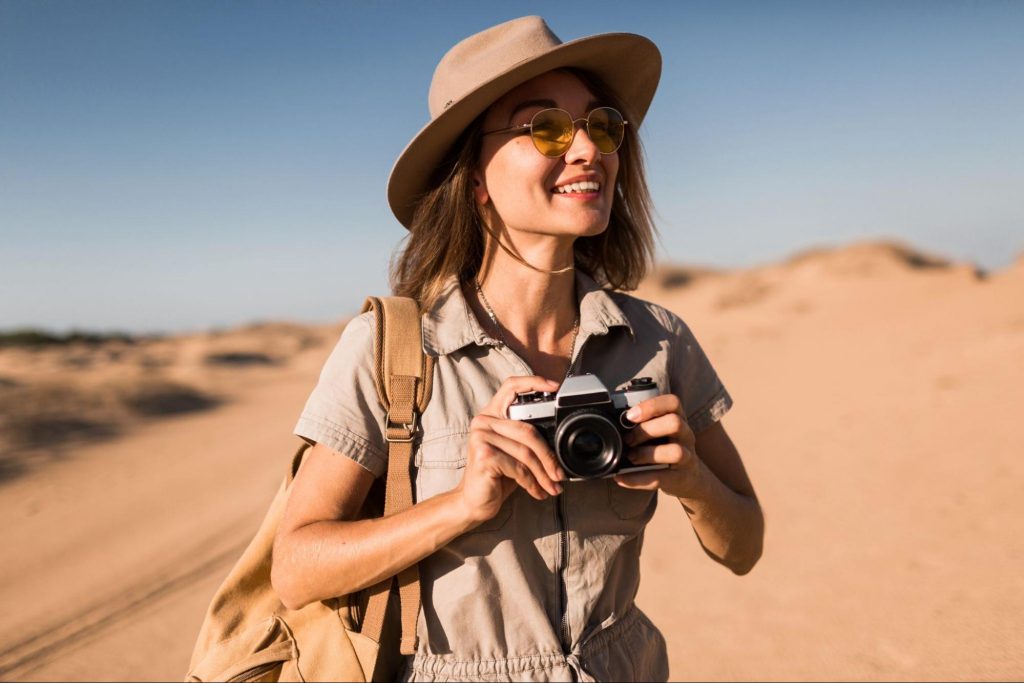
(545, 589)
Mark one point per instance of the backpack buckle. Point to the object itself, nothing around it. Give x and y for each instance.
(410, 429)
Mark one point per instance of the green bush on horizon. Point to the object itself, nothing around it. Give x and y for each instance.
(30, 337)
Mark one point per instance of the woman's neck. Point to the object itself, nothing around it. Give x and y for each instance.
(536, 311)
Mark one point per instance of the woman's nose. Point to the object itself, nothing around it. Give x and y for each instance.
(582, 150)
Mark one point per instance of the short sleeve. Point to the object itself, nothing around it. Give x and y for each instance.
(694, 380)
(344, 411)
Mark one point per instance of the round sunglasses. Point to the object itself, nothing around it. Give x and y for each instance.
(553, 130)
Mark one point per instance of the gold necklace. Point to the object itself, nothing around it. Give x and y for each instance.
(501, 334)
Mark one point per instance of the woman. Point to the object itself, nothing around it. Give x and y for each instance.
(523, 193)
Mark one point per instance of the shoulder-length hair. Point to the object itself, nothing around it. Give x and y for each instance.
(446, 236)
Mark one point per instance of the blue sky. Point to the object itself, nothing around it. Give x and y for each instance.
(184, 165)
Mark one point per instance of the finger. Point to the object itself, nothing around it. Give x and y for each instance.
(653, 407)
(523, 454)
(506, 394)
(528, 435)
(523, 384)
(512, 469)
(521, 435)
(643, 481)
(671, 454)
(670, 425)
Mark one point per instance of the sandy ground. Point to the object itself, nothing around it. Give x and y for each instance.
(878, 410)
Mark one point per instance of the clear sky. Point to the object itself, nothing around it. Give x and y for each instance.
(183, 165)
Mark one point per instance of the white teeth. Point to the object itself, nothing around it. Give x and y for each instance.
(583, 186)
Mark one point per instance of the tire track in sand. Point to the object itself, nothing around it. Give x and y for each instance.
(72, 631)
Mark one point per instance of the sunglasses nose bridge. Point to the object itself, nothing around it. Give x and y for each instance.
(573, 128)
(590, 149)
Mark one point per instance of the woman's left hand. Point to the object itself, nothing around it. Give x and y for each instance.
(661, 418)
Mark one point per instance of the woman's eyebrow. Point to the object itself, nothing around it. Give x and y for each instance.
(530, 103)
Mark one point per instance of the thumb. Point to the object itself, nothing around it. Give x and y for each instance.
(641, 481)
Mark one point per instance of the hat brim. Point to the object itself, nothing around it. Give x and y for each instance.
(630, 64)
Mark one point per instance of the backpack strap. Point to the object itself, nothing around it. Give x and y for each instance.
(403, 377)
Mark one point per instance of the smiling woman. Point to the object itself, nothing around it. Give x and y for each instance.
(619, 253)
(528, 214)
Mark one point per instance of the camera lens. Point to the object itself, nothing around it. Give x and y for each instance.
(588, 444)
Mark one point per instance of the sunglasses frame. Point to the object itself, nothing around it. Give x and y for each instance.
(528, 128)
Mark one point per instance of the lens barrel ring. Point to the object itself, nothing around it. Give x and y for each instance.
(588, 443)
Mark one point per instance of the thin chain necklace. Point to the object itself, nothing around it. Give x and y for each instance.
(501, 333)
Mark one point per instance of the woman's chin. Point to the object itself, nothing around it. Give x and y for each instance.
(590, 228)
(583, 223)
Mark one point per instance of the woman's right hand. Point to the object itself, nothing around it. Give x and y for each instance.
(503, 454)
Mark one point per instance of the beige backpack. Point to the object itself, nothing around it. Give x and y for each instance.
(248, 635)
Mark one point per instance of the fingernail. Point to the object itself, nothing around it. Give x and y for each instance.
(633, 414)
(558, 489)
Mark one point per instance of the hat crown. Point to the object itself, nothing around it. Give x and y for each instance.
(484, 55)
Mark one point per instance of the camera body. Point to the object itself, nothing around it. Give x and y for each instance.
(584, 424)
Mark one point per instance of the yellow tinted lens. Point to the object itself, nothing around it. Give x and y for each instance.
(552, 132)
(606, 128)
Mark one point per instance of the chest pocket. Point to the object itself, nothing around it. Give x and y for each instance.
(440, 465)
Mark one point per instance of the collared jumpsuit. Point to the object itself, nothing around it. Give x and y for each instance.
(545, 590)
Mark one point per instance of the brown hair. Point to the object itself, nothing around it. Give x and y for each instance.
(446, 236)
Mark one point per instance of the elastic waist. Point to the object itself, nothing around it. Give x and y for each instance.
(453, 667)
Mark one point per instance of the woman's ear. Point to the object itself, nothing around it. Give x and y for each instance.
(480, 188)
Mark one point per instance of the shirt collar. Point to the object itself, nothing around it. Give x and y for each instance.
(450, 324)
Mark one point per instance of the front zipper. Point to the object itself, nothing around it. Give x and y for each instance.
(563, 565)
(563, 531)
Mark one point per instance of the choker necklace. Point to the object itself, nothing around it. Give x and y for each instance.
(501, 334)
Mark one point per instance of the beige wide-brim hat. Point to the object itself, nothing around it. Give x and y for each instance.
(485, 66)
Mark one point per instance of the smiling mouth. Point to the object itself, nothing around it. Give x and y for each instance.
(581, 187)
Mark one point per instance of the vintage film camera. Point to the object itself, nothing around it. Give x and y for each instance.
(584, 424)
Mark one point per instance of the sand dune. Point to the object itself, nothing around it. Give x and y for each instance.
(878, 395)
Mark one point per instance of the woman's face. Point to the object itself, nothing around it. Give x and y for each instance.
(521, 184)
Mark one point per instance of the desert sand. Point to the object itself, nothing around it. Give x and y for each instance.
(879, 395)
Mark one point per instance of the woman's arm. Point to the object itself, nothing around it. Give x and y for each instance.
(323, 551)
(722, 506)
(706, 474)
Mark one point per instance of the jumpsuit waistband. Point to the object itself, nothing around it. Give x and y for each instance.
(443, 667)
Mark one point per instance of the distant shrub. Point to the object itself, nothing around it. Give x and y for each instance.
(668, 276)
(31, 338)
(236, 358)
(160, 397)
(52, 415)
(51, 429)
